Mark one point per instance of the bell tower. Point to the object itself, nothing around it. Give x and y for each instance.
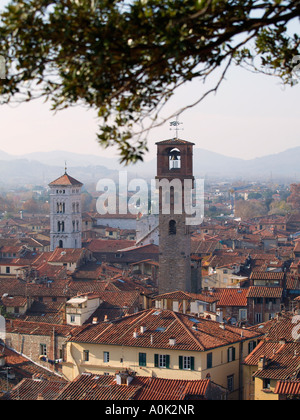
(65, 213)
(174, 168)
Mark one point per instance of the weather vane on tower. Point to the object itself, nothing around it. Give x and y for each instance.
(175, 124)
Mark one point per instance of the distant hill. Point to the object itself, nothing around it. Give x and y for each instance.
(43, 167)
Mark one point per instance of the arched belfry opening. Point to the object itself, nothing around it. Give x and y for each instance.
(174, 159)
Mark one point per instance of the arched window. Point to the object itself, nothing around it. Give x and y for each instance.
(60, 244)
(174, 159)
(172, 227)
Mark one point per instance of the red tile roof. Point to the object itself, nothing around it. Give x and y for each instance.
(63, 255)
(34, 389)
(174, 142)
(231, 297)
(180, 295)
(261, 275)
(284, 364)
(66, 180)
(288, 387)
(208, 334)
(90, 386)
(265, 292)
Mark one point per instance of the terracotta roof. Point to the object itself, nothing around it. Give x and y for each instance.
(90, 386)
(108, 245)
(231, 297)
(39, 328)
(64, 255)
(10, 301)
(265, 292)
(264, 348)
(288, 387)
(269, 275)
(160, 327)
(34, 389)
(65, 181)
(175, 142)
(280, 327)
(284, 364)
(180, 295)
(22, 368)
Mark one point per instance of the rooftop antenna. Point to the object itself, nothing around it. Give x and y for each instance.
(65, 167)
(175, 124)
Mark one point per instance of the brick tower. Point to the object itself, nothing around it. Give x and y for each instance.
(174, 166)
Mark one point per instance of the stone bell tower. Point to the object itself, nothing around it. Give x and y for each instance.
(65, 213)
(174, 167)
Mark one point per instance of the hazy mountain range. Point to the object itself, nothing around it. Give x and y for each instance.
(43, 167)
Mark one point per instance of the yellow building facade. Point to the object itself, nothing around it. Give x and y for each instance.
(167, 359)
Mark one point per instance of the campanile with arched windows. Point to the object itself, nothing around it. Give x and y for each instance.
(65, 213)
(174, 166)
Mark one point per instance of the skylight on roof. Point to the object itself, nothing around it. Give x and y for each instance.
(160, 329)
(196, 321)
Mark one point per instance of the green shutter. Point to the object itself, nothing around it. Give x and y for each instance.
(167, 361)
(142, 359)
(192, 363)
(156, 360)
(180, 362)
(209, 360)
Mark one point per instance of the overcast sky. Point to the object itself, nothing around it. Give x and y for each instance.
(250, 116)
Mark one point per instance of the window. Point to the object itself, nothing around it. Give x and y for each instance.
(142, 359)
(209, 361)
(186, 362)
(43, 349)
(86, 355)
(7, 270)
(230, 383)
(72, 319)
(231, 354)
(242, 314)
(106, 357)
(162, 361)
(251, 346)
(266, 384)
(172, 227)
(258, 318)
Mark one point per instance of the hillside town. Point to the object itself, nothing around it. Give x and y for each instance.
(145, 307)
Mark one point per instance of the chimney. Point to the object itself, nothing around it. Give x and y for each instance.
(95, 320)
(172, 341)
(124, 378)
(143, 329)
(262, 363)
(105, 318)
(135, 334)
(222, 325)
